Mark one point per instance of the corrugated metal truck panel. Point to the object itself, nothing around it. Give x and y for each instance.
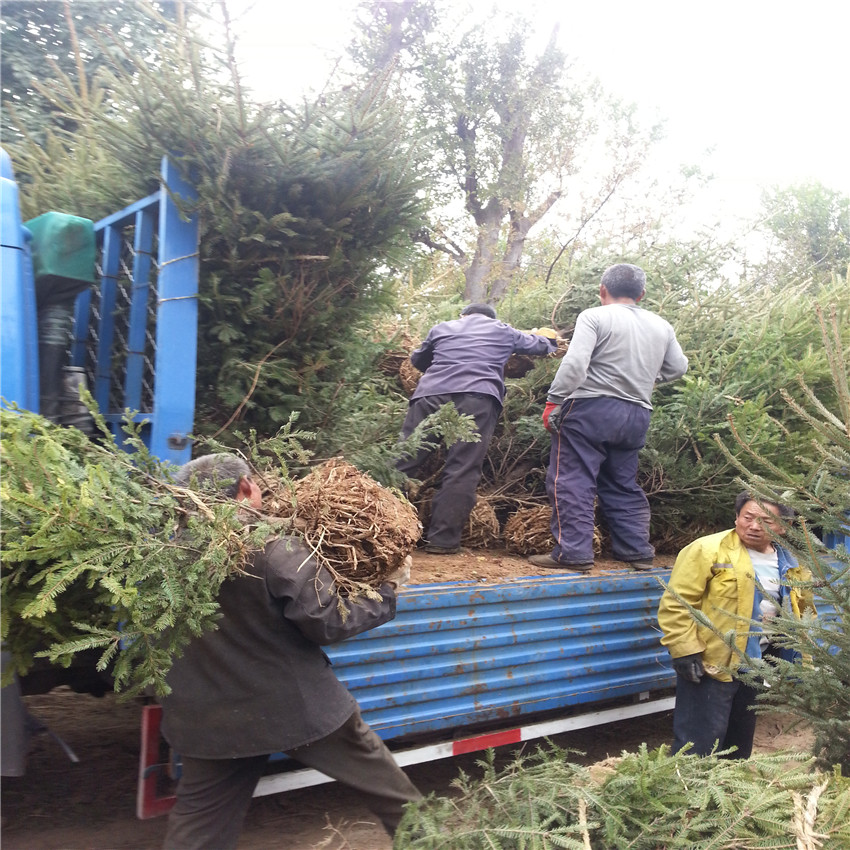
(466, 654)
(441, 659)
(467, 666)
(464, 659)
(408, 669)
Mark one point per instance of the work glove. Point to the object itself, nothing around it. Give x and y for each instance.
(547, 332)
(690, 667)
(402, 574)
(550, 408)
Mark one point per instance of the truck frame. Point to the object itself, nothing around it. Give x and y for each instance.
(465, 666)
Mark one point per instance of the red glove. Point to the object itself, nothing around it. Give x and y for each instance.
(547, 412)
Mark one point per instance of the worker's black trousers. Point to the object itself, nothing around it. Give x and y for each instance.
(214, 794)
(712, 715)
(455, 498)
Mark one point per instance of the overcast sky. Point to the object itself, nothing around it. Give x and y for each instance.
(763, 84)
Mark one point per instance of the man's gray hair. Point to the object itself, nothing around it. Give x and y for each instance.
(221, 472)
(624, 280)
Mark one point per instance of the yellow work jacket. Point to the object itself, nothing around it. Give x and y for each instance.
(715, 575)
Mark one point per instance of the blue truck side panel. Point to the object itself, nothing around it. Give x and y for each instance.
(18, 330)
(134, 338)
(110, 259)
(135, 334)
(834, 539)
(468, 655)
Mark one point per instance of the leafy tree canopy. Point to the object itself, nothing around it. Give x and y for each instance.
(810, 226)
(511, 128)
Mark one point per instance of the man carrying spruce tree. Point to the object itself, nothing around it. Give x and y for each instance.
(733, 577)
(463, 362)
(260, 683)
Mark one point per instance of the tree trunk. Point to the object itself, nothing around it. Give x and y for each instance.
(520, 225)
(513, 254)
(479, 274)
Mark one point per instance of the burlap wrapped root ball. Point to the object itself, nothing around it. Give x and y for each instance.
(359, 530)
(519, 365)
(482, 527)
(409, 375)
(528, 532)
(278, 498)
(421, 497)
(391, 360)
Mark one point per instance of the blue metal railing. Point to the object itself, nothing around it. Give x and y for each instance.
(136, 334)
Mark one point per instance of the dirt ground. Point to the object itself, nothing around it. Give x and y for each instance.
(90, 805)
(488, 565)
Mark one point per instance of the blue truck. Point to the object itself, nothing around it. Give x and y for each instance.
(464, 666)
(112, 306)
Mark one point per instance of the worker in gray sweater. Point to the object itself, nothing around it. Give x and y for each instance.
(598, 410)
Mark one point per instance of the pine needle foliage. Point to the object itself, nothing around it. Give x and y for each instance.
(443, 428)
(102, 552)
(647, 800)
(44, 51)
(303, 210)
(745, 351)
(817, 486)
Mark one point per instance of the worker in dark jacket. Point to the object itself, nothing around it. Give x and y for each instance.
(260, 683)
(463, 362)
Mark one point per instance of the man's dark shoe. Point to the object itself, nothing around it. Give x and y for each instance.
(550, 563)
(432, 549)
(641, 564)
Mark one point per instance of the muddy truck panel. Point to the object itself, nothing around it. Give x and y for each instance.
(470, 655)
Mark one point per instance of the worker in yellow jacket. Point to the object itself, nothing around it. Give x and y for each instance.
(733, 578)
